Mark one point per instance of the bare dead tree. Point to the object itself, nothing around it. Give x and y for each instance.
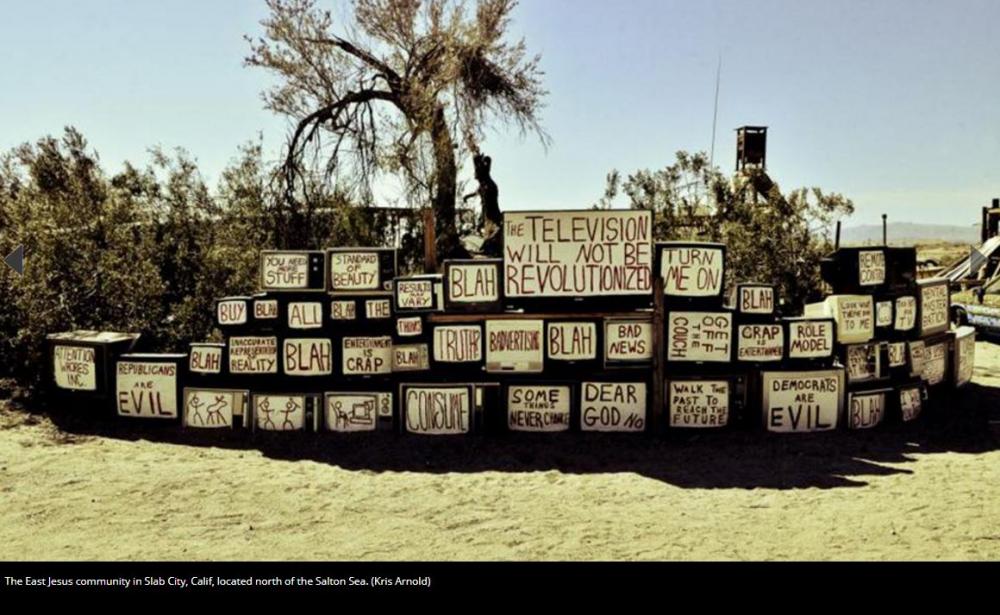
(389, 92)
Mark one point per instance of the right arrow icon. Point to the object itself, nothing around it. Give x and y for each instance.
(15, 260)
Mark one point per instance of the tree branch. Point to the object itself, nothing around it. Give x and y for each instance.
(391, 76)
(314, 120)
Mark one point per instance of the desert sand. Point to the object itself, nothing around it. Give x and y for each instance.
(72, 489)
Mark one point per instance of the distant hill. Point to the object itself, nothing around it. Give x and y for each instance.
(909, 233)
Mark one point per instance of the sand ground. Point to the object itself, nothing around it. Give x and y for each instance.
(72, 489)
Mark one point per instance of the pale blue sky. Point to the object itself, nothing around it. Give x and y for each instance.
(894, 103)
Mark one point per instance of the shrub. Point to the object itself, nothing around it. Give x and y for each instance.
(146, 250)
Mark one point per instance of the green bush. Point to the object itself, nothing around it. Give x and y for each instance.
(770, 237)
(89, 251)
(146, 250)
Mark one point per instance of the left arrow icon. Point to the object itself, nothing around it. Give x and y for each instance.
(15, 260)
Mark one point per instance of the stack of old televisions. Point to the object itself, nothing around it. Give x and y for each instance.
(313, 350)
(499, 363)
(706, 361)
(440, 389)
(892, 333)
(720, 359)
(247, 371)
(509, 349)
(336, 341)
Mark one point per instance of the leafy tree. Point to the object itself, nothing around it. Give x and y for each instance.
(89, 250)
(10, 186)
(400, 86)
(251, 217)
(770, 236)
(211, 241)
(147, 250)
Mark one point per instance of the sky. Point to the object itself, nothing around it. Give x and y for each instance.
(894, 103)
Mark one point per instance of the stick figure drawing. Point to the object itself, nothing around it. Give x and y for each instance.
(264, 420)
(194, 414)
(215, 410)
(290, 408)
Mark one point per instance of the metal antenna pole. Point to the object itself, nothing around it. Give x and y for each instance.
(715, 113)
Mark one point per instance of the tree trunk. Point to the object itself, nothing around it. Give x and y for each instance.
(445, 178)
